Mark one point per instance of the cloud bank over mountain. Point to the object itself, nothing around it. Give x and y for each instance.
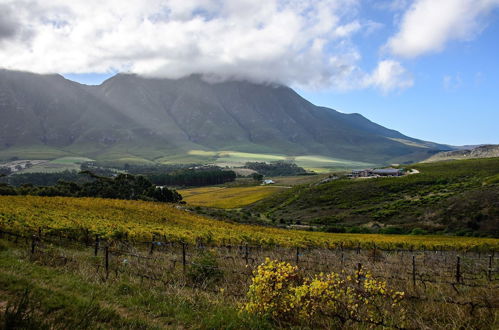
(303, 43)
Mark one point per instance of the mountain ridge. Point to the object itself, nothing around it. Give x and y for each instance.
(151, 118)
(482, 151)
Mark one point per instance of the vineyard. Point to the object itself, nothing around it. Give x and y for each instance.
(434, 288)
(227, 198)
(136, 265)
(84, 218)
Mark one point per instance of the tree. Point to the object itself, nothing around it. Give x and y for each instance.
(257, 176)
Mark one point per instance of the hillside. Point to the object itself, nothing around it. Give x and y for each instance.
(133, 119)
(451, 196)
(485, 151)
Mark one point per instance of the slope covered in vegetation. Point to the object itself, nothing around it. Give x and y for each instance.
(454, 196)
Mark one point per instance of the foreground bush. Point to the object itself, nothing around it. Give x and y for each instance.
(279, 292)
(204, 269)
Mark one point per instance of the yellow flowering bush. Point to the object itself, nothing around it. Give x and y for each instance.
(272, 289)
(279, 292)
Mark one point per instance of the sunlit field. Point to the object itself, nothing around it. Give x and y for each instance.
(227, 198)
(139, 220)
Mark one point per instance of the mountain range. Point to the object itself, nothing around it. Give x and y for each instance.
(129, 117)
(472, 152)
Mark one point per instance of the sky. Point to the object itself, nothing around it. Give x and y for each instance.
(427, 68)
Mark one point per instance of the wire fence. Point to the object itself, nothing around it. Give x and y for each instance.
(467, 280)
(473, 269)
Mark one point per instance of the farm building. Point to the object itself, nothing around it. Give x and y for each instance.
(268, 181)
(361, 173)
(388, 172)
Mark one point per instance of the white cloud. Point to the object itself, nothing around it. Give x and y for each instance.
(428, 25)
(305, 43)
(293, 42)
(389, 75)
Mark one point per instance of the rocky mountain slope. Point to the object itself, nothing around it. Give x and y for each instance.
(485, 151)
(129, 115)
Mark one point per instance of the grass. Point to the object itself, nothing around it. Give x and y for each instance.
(147, 154)
(72, 297)
(63, 286)
(310, 162)
(230, 158)
(321, 162)
(297, 180)
(32, 152)
(58, 165)
(227, 198)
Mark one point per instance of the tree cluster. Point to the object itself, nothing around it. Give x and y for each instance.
(123, 186)
(5, 171)
(279, 168)
(44, 179)
(192, 177)
(156, 168)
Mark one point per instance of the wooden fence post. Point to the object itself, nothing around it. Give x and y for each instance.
(106, 261)
(33, 244)
(414, 271)
(489, 271)
(96, 247)
(297, 255)
(458, 269)
(151, 250)
(246, 253)
(184, 261)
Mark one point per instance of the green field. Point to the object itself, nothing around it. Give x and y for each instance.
(120, 155)
(31, 152)
(58, 165)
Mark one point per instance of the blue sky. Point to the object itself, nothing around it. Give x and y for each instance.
(426, 68)
(454, 99)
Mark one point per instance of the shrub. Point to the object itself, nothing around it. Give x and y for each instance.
(204, 269)
(334, 229)
(392, 231)
(358, 230)
(21, 314)
(418, 231)
(279, 292)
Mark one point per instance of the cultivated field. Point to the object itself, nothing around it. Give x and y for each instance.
(137, 220)
(227, 198)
